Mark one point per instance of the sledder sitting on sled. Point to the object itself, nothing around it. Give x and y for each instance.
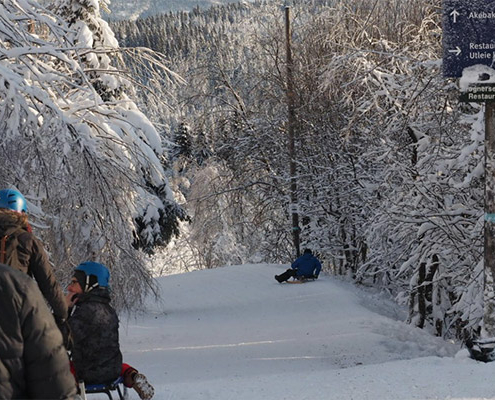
(305, 267)
(94, 326)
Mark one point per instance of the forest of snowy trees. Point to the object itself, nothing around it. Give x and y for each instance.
(129, 136)
(389, 163)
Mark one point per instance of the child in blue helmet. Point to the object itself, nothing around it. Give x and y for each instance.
(20, 249)
(94, 326)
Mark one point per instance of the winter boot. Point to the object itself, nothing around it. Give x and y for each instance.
(143, 387)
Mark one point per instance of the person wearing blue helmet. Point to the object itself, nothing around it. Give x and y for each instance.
(20, 249)
(13, 200)
(94, 327)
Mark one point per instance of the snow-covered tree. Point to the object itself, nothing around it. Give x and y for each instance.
(424, 234)
(87, 158)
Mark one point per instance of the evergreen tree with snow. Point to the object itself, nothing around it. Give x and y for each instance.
(183, 141)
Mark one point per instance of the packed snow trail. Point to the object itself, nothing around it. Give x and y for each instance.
(234, 333)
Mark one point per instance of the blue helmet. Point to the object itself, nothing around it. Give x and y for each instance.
(101, 273)
(12, 200)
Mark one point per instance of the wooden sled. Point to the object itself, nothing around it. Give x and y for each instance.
(299, 280)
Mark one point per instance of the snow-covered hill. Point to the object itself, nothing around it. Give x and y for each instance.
(235, 333)
(132, 9)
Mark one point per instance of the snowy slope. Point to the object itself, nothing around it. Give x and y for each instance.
(235, 333)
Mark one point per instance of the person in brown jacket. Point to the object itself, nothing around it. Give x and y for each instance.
(33, 361)
(20, 249)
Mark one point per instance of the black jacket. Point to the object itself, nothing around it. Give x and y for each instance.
(33, 361)
(33, 260)
(95, 349)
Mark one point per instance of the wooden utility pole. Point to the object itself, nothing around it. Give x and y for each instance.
(290, 127)
(490, 186)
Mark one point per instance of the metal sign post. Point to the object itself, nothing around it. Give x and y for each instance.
(489, 253)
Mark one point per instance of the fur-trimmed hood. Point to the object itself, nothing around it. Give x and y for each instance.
(11, 219)
(27, 254)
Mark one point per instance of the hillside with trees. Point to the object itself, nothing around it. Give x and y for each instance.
(389, 163)
(168, 137)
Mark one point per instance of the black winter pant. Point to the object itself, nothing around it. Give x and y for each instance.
(286, 275)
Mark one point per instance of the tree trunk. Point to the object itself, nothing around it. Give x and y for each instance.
(421, 296)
